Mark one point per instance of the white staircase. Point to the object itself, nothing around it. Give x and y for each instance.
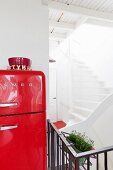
(87, 92)
(92, 108)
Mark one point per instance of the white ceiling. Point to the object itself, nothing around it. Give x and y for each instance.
(99, 5)
(67, 15)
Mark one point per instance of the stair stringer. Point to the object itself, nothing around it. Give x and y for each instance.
(105, 106)
(98, 126)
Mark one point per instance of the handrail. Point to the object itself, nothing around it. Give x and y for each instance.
(61, 154)
(95, 151)
(82, 154)
(61, 136)
(87, 153)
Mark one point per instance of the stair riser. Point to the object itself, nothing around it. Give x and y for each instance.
(96, 98)
(82, 112)
(83, 79)
(89, 91)
(86, 105)
(74, 118)
(90, 84)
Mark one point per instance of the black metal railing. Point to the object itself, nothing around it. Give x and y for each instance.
(62, 156)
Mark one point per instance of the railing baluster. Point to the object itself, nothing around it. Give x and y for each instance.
(88, 163)
(62, 156)
(70, 161)
(57, 152)
(97, 162)
(48, 137)
(52, 150)
(63, 166)
(105, 161)
(66, 159)
(77, 164)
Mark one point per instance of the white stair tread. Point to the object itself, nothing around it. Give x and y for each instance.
(83, 109)
(78, 116)
(103, 95)
(86, 104)
(92, 97)
(87, 101)
(91, 92)
(98, 88)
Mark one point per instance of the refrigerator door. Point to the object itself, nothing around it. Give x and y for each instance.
(22, 142)
(22, 92)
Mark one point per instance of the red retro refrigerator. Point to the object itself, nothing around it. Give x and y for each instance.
(22, 120)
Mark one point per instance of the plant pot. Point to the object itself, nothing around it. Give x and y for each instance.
(83, 145)
(81, 160)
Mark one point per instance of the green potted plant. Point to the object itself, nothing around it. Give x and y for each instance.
(81, 143)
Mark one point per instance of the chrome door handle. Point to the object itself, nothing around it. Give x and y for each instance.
(8, 127)
(7, 104)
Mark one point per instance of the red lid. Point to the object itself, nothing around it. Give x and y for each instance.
(19, 61)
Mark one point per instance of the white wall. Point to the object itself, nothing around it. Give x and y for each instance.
(24, 32)
(94, 46)
(63, 82)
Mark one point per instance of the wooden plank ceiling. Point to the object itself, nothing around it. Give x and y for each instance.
(66, 15)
